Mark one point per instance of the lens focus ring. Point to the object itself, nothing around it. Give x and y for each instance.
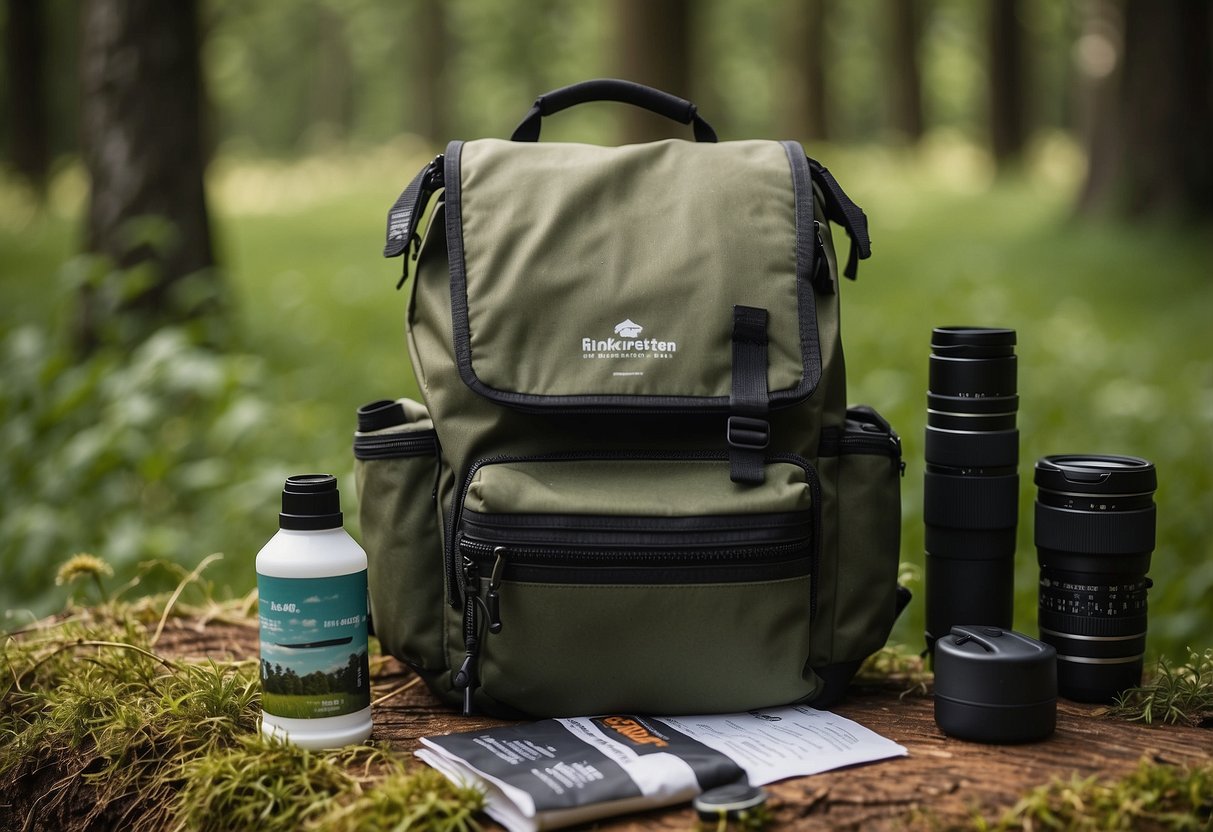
(970, 502)
(972, 450)
(1111, 533)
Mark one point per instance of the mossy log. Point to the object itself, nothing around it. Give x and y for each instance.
(943, 783)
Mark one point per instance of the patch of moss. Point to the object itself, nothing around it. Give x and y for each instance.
(134, 739)
(1154, 797)
(899, 666)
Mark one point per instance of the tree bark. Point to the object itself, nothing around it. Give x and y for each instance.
(25, 54)
(1168, 109)
(904, 78)
(428, 76)
(1007, 113)
(1148, 147)
(654, 47)
(805, 107)
(1099, 59)
(141, 102)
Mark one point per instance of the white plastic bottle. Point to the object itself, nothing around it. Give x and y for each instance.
(311, 580)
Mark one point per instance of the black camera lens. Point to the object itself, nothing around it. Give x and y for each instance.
(1095, 520)
(971, 484)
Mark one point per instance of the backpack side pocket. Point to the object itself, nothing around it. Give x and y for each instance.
(865, 504)
(396, 464)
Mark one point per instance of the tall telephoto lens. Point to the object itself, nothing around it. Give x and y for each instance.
(1095, 520)
(971, 484)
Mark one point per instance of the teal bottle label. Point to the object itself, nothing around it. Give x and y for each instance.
(313, 645)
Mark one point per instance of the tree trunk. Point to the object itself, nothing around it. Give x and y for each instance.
(904, 78)
(1008, 126)
(805, 109)
(141, 99)
(654, 48)
(428, 76)
(25, 53)
(1099, 58)
(1149, 147)
(332, 87)
(1168, 109)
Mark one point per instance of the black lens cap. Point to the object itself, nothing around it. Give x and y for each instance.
(729, 801)
(1096, 474)
(985, 338)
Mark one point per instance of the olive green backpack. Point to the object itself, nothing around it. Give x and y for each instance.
(634, 484)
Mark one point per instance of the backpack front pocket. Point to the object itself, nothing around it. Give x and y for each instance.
(654, 585)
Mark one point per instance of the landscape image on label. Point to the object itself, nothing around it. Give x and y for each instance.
(313, 650)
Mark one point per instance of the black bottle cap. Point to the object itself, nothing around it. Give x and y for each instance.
(381, 414)
(310, 502)
(995, 685)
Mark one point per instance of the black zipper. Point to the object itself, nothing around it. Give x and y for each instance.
(452, 537)
(395, 445)
(465, 676)
(570, 565)
(835, 441)
(864, 432)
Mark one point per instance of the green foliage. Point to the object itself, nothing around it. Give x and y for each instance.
(1154, 797)
(136, 455)
(1177, 695)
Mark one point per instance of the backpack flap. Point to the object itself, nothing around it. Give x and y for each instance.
(587, 278)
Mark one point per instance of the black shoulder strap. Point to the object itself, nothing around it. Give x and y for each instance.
(841, 210)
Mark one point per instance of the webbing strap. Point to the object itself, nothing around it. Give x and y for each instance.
(406, 211)
(748, 433)
(840, 209)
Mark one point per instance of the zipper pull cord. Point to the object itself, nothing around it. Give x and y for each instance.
(493, 601)
(465, 677)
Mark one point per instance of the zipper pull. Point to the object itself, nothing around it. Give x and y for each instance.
(465, 677)
(493, 600)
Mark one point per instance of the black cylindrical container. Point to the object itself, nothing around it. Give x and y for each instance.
(1095, 520)
(971, 483)
(994, 685)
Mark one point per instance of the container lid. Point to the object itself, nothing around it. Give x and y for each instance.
(994, 667)
(310, 502)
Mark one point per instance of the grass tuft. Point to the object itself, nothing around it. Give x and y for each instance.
(898, 665)
(1180, 695)
(1154, 797)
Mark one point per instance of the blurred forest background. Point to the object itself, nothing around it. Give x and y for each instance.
(192, 303)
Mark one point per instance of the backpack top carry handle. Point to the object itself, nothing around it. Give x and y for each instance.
(612, 89)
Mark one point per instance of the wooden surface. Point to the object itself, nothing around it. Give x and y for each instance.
(940, 783)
